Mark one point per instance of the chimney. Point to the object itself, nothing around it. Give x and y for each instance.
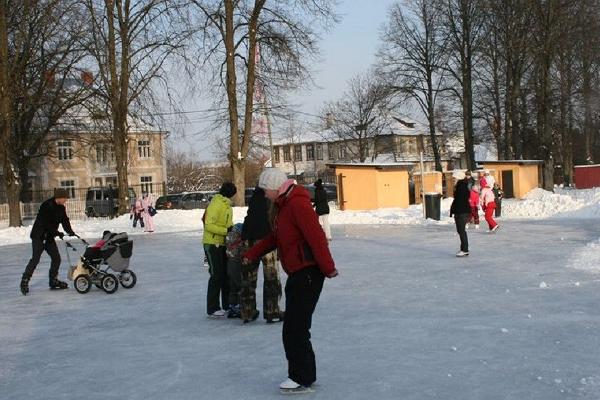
(87, 78)
(329, 120)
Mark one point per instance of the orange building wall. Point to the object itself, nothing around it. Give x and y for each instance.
(369, 188)
(525, 177)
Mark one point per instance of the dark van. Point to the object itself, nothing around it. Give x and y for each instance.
(102, 201)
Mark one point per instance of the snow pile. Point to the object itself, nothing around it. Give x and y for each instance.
(540, 203)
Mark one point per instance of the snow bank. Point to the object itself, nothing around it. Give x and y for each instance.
(566, 203)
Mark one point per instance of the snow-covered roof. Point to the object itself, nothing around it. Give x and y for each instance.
(407, 127)
(83, 119)
(325, 135)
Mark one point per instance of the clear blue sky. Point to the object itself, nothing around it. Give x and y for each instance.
(348, 49)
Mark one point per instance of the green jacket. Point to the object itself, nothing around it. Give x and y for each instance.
(218, 217)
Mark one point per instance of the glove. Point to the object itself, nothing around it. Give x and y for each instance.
(72, 234)
(229, 229)
(60, 234)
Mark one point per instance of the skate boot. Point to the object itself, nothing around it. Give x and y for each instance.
(24, 285)
(234, 311)
(55, 284)
(291, 387)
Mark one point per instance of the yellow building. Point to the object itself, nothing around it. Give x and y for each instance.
(515, 177)
(372, 186)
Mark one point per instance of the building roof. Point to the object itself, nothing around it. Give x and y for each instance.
(407, 127)
(520, 162)
(403, 166)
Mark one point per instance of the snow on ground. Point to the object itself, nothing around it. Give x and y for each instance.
(404, 320)
(565, 203)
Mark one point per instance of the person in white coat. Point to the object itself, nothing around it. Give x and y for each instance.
(148, 219)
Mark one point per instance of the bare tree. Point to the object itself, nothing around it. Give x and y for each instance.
(40, 49)
(413, 57)
(360, 115)
(464, 20)
(283, 34)
(132, 42)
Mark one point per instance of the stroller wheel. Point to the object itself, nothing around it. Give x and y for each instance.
(82, 284)
(109, 283)
(128, 279)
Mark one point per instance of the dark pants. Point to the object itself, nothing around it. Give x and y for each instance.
(218, 282)
(234, 273)
(461, 222)
(138, 217)
(302, 291)
(498, 210)
(38, 247)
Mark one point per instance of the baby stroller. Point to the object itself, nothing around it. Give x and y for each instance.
(106, 264)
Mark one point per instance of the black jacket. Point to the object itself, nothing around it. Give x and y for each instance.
(321, 205)
(48, 218)
(256, 223)
(460, 204)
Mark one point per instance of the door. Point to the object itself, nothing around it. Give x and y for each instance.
(507, 184)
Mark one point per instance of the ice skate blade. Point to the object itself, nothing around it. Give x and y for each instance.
(299, 390)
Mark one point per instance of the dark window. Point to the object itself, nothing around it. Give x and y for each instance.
(310, 152)
(319, 151)
(276, 151)
(297, 153)
(69, 186)
(146, 184)
(144, 148)
(330, 152)
(286, 154)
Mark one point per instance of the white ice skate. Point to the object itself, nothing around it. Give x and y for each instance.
(462, 254)
(291, 387)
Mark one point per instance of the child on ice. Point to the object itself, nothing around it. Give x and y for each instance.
(488, 203)
(474, 203)
(235, 248)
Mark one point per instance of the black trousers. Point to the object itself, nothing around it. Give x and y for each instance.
(461, 227)
(38, 247)
(218, 283)
(138, 217)
(302, 291)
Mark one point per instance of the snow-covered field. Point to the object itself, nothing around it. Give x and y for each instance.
(518, 319)
(404, 320)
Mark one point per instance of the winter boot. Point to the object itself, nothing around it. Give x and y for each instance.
(55, 284)
(25, 285)
(234, 311)
(253, 318)
(291, 387)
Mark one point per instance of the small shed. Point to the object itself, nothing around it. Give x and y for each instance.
(367, 186)
(587, 176)
(515, 177)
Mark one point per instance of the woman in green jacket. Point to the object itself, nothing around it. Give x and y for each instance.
(218, 220)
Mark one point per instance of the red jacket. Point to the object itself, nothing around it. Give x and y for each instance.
(297, 235)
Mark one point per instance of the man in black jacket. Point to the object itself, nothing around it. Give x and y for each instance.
(45, 228)
(461, 210)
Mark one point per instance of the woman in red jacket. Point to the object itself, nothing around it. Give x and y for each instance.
(305, 257)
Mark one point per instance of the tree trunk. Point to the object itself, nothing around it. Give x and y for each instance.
(544, 125)
(239, 178)
(11, 175)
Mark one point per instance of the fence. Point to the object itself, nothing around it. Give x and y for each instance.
(79, 198)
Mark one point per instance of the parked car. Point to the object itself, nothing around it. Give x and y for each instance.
(102, 201)
(169, 202)
(330, 189)
(193, 200)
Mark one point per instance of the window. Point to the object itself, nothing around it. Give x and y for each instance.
(69, 186)
(330, 152)
(65, 150)
(276, 153)
(286, 154)
(146, 184)
(342, 152)
(111, 181)
(144, 148)
(297, 153)
(310, 152)
(105, 153)
(319, 151)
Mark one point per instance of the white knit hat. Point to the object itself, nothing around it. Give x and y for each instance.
(272, 179)
(458, 175)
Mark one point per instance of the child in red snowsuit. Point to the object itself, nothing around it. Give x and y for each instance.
(488, 205)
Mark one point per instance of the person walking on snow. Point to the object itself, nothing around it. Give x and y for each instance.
(488, 204)
(322, 207)
(474, 203)
(136, 213)
(52, 212)
(148, 218)
(305, 257)
(256, 227)
(461, 210)
(218, 220)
